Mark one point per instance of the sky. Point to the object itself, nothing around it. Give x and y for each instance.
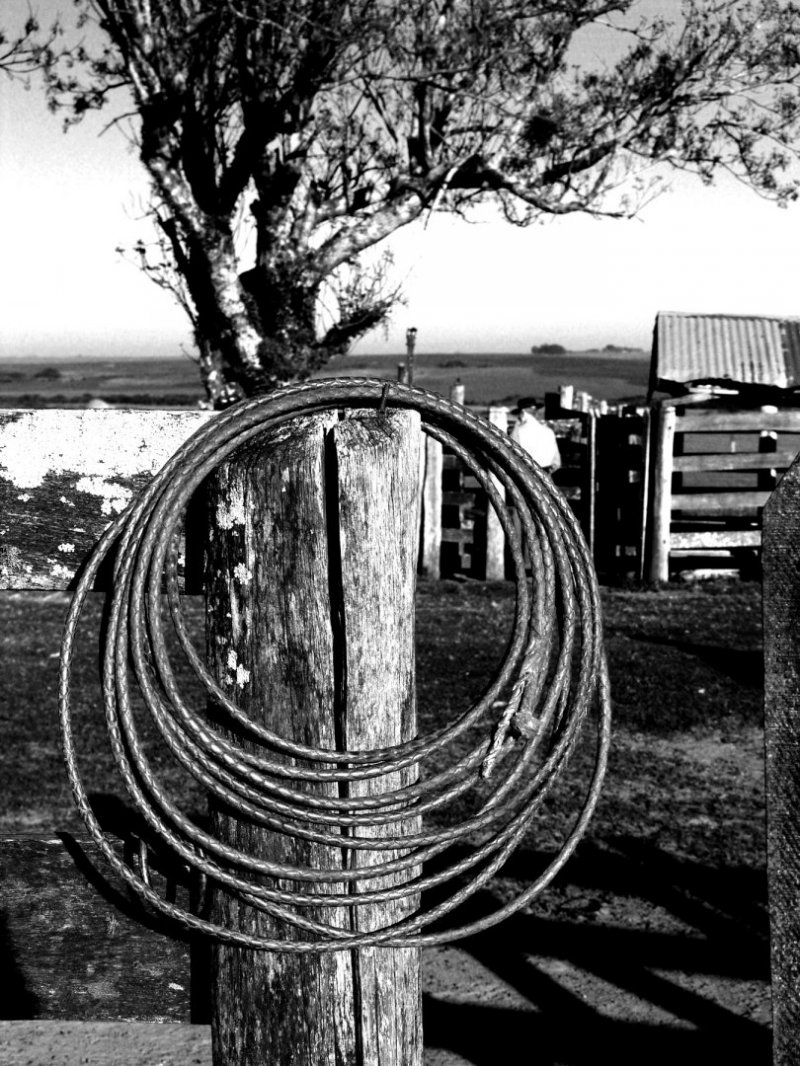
(68, 201)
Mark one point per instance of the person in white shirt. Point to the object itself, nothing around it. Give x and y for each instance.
(538, 440)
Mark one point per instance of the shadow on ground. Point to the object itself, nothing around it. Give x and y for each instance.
(586, 989)
(633, 955)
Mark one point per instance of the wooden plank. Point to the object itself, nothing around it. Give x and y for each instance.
(462, 535)
(65, 475)
(781, 587)
(738, 421)
(720, 503)
(658, 569)
(77, 945)
(708, 538)
(735, 461)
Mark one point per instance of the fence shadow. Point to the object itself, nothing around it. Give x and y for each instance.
(745, 666)
(672, 976)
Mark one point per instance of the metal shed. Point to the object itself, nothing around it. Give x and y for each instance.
(734, 351)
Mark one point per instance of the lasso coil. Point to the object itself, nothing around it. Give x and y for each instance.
(551, 678)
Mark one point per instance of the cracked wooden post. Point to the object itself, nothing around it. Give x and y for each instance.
(310, 624)
(781, 590)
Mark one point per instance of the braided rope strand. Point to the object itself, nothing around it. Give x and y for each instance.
(551, 678)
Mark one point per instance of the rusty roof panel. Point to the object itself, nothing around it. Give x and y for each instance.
(735, 349)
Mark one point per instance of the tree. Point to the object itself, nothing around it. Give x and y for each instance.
(285, 138)
(28, 49)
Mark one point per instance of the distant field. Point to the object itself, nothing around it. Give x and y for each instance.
(493, 378)
(504, 378)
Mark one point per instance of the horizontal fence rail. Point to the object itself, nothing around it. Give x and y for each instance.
(713, 472)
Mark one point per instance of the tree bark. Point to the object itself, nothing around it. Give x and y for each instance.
(310, 626)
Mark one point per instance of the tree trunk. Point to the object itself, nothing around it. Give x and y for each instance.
(310, 627)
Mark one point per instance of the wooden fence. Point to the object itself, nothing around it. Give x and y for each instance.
(603, 476)
(713, 471)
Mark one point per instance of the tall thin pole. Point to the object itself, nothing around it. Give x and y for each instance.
(411, 345)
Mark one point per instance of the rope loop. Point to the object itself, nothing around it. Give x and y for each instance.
(527, 722)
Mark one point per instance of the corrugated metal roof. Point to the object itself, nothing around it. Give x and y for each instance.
(734, 349)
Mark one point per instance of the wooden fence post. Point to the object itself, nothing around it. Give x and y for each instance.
(495, 537)
(457, 391)
(590, 508)
(781, 590)
(432, 509)
(662, 494)
(311, 573)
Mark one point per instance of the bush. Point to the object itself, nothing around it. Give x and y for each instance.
(548, 349)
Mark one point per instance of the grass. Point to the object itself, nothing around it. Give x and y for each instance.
(685, 665)
(653, 938)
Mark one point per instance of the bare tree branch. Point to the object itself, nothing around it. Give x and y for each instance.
(330, 124)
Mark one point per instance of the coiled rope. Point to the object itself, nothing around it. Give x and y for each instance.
(528, 720)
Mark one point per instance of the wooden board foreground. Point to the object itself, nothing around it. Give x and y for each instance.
(77, 944)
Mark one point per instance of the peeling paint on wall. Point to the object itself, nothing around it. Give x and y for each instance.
(115, 497)
(105, 444)
(64, 475)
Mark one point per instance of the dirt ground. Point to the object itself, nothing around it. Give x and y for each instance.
(652, 946)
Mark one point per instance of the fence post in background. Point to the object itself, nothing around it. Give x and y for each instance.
(591, 481)
(457, 391)
(431, 521)
(781, 591)
(411, 347)
(658, 569)
(647, 445)
(767, 444)
(310, 579)
(495, 537)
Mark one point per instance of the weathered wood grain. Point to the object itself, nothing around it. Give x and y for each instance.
(65, 475)
(740, 504)
(432, 510)
(718, 461)
(77, 945)
(307, 648)
(739, 421)
(270, 641)
(376, 463)
(708, 538)
(781, 577)
(661, 495)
